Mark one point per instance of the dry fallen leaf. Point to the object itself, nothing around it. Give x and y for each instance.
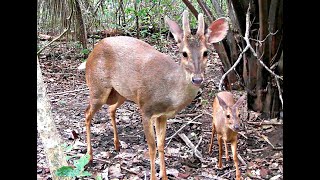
(115, 171)
(173, 172)
(275, 177)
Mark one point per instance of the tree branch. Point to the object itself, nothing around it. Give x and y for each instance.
(63, 33)
(248, 46)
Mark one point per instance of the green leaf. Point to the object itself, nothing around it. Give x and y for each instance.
(84, 173)
(69, 157)
(80, 163)
(65, 171)
(68, 148)
(98, 177)
(85, 51)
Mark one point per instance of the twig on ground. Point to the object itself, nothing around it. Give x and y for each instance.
(267, 140)
(66, 92)
(243, 135)
(132, 172)
(180, 121)
(190, 145)
(256, 150)
(196, 148)
(181, 129)
(264, 123)
(187, 115)
(228, 172)
(241, 160)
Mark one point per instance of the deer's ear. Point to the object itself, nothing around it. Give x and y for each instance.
(217, 30)
(174, 29)
(222, 103)
(239, 102)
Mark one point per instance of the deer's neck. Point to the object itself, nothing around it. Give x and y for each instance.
(186, 90)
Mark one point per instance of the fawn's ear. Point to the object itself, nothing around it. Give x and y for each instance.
(174, 29)
(222, 103)
(217, 30)
(239, 102)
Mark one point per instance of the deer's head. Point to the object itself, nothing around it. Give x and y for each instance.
(194, 48)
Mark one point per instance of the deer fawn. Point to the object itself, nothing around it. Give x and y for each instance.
(226, 122)
(124, 68)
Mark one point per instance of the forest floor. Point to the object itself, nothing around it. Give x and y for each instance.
(259, 145)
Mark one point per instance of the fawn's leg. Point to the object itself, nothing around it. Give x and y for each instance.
(161, 125)
(149, 134)
(211, 141)
(226, 150)
(235, 157)
(220, 151)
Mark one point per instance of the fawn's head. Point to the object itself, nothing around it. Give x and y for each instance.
(194, 48)
(231, 114)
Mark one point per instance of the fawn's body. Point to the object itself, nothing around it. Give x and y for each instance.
(121, 68)
(226, 124)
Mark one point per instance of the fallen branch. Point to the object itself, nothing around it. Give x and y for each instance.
(267, 140)
(190, 145)
(263, 123)
(227, 173)
(241, 160)
(256, 150)
(180, 121)
(132, 172)
(181, 129)
(187, 115)
(196, 148)
(63, 33)
(66, 92)
(243, 135)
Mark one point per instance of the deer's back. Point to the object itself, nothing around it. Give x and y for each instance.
(135, 70)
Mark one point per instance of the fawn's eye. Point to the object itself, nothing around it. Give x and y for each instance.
(238, 115)
(228, 116)
(185, 54)
(205, 54)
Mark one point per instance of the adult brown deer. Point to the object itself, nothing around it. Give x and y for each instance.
(124, 68)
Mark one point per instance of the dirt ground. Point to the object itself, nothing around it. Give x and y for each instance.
(260, 145)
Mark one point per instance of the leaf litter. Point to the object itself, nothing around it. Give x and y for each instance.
(68, 94)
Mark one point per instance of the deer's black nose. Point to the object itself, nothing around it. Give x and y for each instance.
(236, 127)
(197, 80)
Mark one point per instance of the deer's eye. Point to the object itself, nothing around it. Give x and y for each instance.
(238, 115)
(205, 54)
(228, 116)
(185, 54)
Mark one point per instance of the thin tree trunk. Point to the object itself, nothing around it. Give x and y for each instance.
(82, 34)
(137, 19)
(205, 9)
(47, 130)
(217, 8)
(123, 13)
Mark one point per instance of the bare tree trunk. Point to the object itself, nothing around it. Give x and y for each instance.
(122, 12)
(82, 34)
(205, 9)
(47, 130)
(191, 8)
(137, 19)
(217, 8)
